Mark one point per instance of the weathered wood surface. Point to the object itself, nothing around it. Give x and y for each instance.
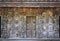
(29, 3)
(20, 22)
(30, 39)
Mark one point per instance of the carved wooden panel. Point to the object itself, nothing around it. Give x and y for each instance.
(31, 26)
(30, 23)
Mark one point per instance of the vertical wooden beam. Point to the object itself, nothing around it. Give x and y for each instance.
(59, 26)
(0, 26)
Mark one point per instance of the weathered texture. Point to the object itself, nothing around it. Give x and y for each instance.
(30, 22)
(29, 0)
(31, 26)
(29, 3)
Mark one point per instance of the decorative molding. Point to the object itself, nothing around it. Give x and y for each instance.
(30, 3)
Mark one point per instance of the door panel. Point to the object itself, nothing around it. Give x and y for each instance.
(31, 26)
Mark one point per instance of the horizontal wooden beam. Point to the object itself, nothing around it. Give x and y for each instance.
(29, 4)
(29, 0)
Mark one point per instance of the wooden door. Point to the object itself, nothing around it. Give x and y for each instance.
(31, 26)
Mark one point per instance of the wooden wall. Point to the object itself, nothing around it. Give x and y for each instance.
(30, 22)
